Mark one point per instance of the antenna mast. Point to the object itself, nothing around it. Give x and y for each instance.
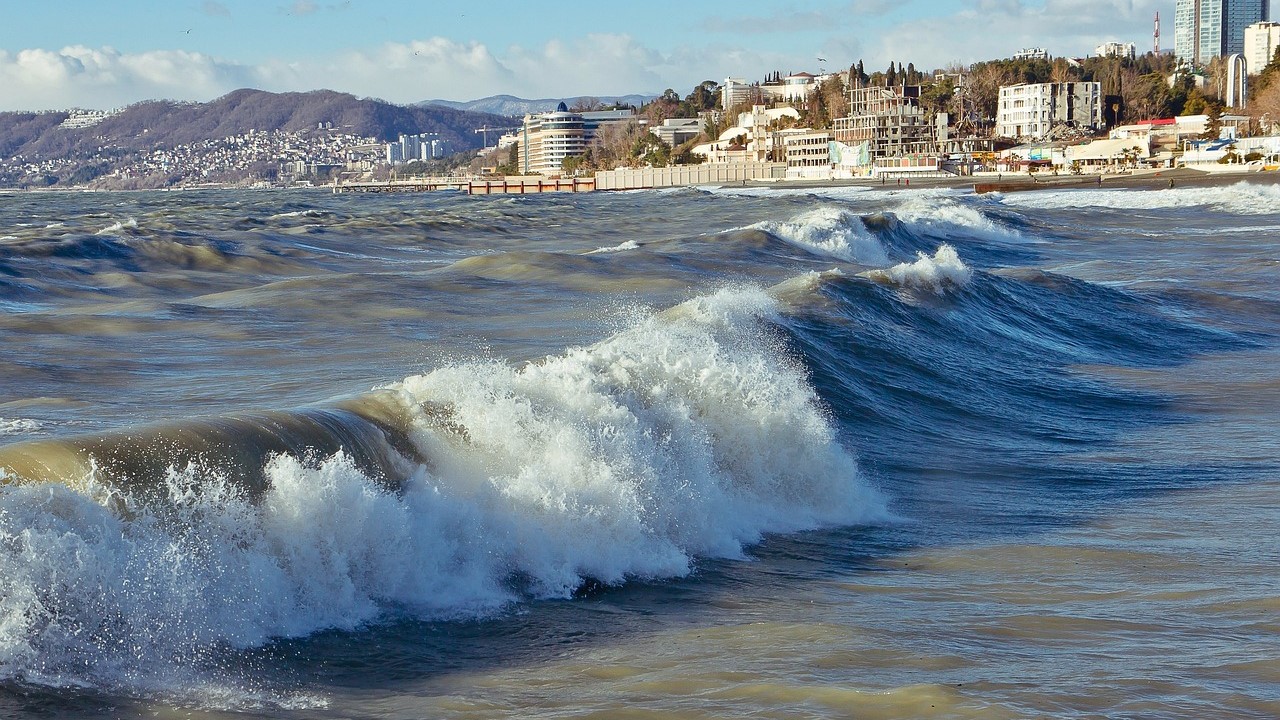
(1156, 36)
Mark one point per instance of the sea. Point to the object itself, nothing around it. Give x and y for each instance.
(846, 452)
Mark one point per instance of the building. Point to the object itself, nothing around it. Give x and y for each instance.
(753, 139)
(547, 139)
(734, 91)
(889, 120)
(426, 146)
(1035, 110)
(1032, 54)
(793, 88)
(1205, 29)
(1116, 49)
(675, 131)
(808, 154)
(1260, 43)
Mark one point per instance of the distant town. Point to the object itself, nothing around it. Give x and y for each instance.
(1210, 102)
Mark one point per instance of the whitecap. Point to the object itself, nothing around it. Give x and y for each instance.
(831, 231)
(944, 269)
(118, 226)
(1242, 198)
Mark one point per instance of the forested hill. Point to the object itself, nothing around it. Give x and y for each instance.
(164, 124)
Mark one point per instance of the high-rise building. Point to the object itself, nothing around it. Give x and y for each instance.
(1238, 15)
(548, 139)
(1261, 40)
(1205, 29)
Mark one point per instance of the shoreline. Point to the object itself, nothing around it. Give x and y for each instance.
(1142, 180)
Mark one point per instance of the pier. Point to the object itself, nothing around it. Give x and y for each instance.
(523, 185)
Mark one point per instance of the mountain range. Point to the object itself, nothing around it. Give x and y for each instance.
(513, 106)
(159, 124)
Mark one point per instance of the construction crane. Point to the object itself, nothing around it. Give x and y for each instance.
(486, 130)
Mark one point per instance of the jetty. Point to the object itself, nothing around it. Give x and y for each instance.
(522, 185)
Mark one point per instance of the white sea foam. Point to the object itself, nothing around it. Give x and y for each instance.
(833, 192)
(118, 226)
(627, 245)
(830, 230)
(298, 213)
(939, 213)
(687, 435)
(18, 426)
(1242, 198)
(943, 270)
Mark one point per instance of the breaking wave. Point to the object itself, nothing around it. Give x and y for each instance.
(944, 269)
(832, 231)
(1242, 198)
(687, 435)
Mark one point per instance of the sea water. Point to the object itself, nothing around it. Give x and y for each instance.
(696, 453)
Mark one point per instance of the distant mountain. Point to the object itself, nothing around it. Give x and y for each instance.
(163, 124)
(513, 106)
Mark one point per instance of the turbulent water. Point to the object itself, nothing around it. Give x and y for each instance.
(695, 453)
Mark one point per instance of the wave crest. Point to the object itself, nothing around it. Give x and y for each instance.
(831, 231)
(944, 269)
(687, 435)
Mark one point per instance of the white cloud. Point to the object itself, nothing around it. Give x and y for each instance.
(989, 29)
(595, 64)
(598, 64)
(78, 76)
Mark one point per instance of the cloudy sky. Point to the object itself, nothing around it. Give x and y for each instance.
(58, 54)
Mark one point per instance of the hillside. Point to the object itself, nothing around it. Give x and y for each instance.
(513, 106)
(162, 124)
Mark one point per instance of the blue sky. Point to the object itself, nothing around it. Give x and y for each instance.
(65, 53)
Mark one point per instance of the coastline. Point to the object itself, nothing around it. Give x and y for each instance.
(1138, 180)
(1141, 180)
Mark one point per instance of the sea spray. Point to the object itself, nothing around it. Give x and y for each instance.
(1242, 198)
(688, 434)
(937, 273)
(832, 231)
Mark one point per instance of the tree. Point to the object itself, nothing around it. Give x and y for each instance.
(704, 97)
(1264, 96)
(1213, 127)
(1149, 98)
(1265, 107)
(936, 96)
(983, 87)
(649, 149)
(1196, 104)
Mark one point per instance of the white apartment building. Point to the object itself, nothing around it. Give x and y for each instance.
(734, 91)
(1033, 110)
(1116, 49)
(793, 88)
(1032, 54)
(808, 154)
(547, 139)
(1260, 43)
(751, 136)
